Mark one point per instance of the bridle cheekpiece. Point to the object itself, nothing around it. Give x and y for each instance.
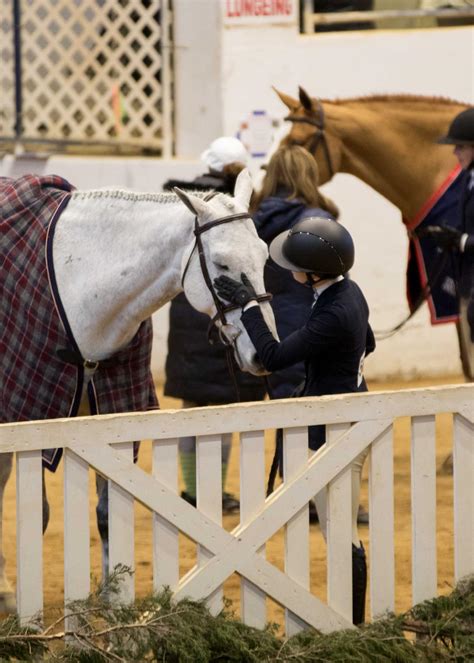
(319, 136)
(221, 308)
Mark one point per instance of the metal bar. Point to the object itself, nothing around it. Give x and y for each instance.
(308, 16)
(166, 74)
(89, 143)
(17, 68)
(328, 18)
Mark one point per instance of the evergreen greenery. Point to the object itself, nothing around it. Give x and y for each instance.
(158, 629)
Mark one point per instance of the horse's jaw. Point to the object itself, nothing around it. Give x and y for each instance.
(244, 350)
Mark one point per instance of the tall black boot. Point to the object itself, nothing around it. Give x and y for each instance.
(359, 584)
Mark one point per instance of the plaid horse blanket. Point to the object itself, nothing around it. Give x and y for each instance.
(34, 382)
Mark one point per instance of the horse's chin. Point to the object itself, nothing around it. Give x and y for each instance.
(256, 369)
(260, 372)
(250, 365)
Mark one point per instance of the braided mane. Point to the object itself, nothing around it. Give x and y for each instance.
(399, 98)
(124, 194)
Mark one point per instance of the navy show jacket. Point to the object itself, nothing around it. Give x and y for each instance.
(333, 344)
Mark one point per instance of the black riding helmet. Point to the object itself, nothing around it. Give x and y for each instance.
(461, 130)
(316, 245)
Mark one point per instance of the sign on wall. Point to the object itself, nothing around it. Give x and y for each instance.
(259, 12)
(256, 133)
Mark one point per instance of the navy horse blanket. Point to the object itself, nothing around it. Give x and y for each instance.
(427, 263)
(35, 383)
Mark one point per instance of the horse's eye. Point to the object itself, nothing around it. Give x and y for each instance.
(223, 267)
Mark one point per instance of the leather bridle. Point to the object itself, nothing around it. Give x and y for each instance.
(319, 135)
(221, 308)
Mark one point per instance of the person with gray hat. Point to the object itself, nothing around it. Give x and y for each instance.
(333, 343)
(460, 241)
(196, 371)
(225, 158)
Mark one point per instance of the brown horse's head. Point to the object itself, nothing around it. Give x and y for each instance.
(309, 130)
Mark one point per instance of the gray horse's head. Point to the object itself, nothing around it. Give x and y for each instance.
(228, 248)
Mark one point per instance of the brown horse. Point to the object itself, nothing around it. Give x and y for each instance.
(389, 142)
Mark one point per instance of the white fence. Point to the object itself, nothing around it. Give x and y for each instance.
(354, 422)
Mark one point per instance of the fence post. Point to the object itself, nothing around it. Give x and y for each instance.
(29, 535)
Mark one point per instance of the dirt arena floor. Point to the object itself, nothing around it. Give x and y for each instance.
(53, 539)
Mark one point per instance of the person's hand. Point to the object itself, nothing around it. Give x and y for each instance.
(235, 292)
(444, 236)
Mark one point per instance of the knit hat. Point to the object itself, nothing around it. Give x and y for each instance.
(223, 151)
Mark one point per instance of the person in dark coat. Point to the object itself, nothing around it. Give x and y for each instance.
(196, 371)
(332, 343)
(290, 193)
(460, 241)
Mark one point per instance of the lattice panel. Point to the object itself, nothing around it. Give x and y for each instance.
(7, 86)
(92, 70)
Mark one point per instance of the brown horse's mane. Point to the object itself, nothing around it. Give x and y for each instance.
(399, 98)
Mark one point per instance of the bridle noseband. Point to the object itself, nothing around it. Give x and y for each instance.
(319, 135)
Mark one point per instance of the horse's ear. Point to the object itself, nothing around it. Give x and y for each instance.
(305, 99)
(193, 203)
(291, 103)
(243, 188)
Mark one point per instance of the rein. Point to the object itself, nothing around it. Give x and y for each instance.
(319, 135)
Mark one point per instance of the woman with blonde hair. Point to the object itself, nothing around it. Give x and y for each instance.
(289, 193)
(292, 174)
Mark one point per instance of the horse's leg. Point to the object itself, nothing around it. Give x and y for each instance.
(102, 511)
(466, 348)
(7, 597)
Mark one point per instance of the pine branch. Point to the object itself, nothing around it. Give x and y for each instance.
(158, 629)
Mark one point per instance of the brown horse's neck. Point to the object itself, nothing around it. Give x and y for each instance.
(391, 146)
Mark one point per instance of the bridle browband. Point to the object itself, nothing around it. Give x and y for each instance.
(319, 135)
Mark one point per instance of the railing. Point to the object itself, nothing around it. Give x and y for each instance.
(92, 74)
(354, 422)
(311, 20)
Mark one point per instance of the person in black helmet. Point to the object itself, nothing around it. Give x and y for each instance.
(461, 241)
(333, 343)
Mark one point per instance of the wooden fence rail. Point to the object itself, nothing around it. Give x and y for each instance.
(354, 422)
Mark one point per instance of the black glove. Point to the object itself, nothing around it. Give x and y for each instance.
(235, 292)
(444, 236)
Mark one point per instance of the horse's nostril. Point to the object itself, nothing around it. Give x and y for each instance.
(255, 359)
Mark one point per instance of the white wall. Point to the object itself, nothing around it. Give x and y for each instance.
(234, 77)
